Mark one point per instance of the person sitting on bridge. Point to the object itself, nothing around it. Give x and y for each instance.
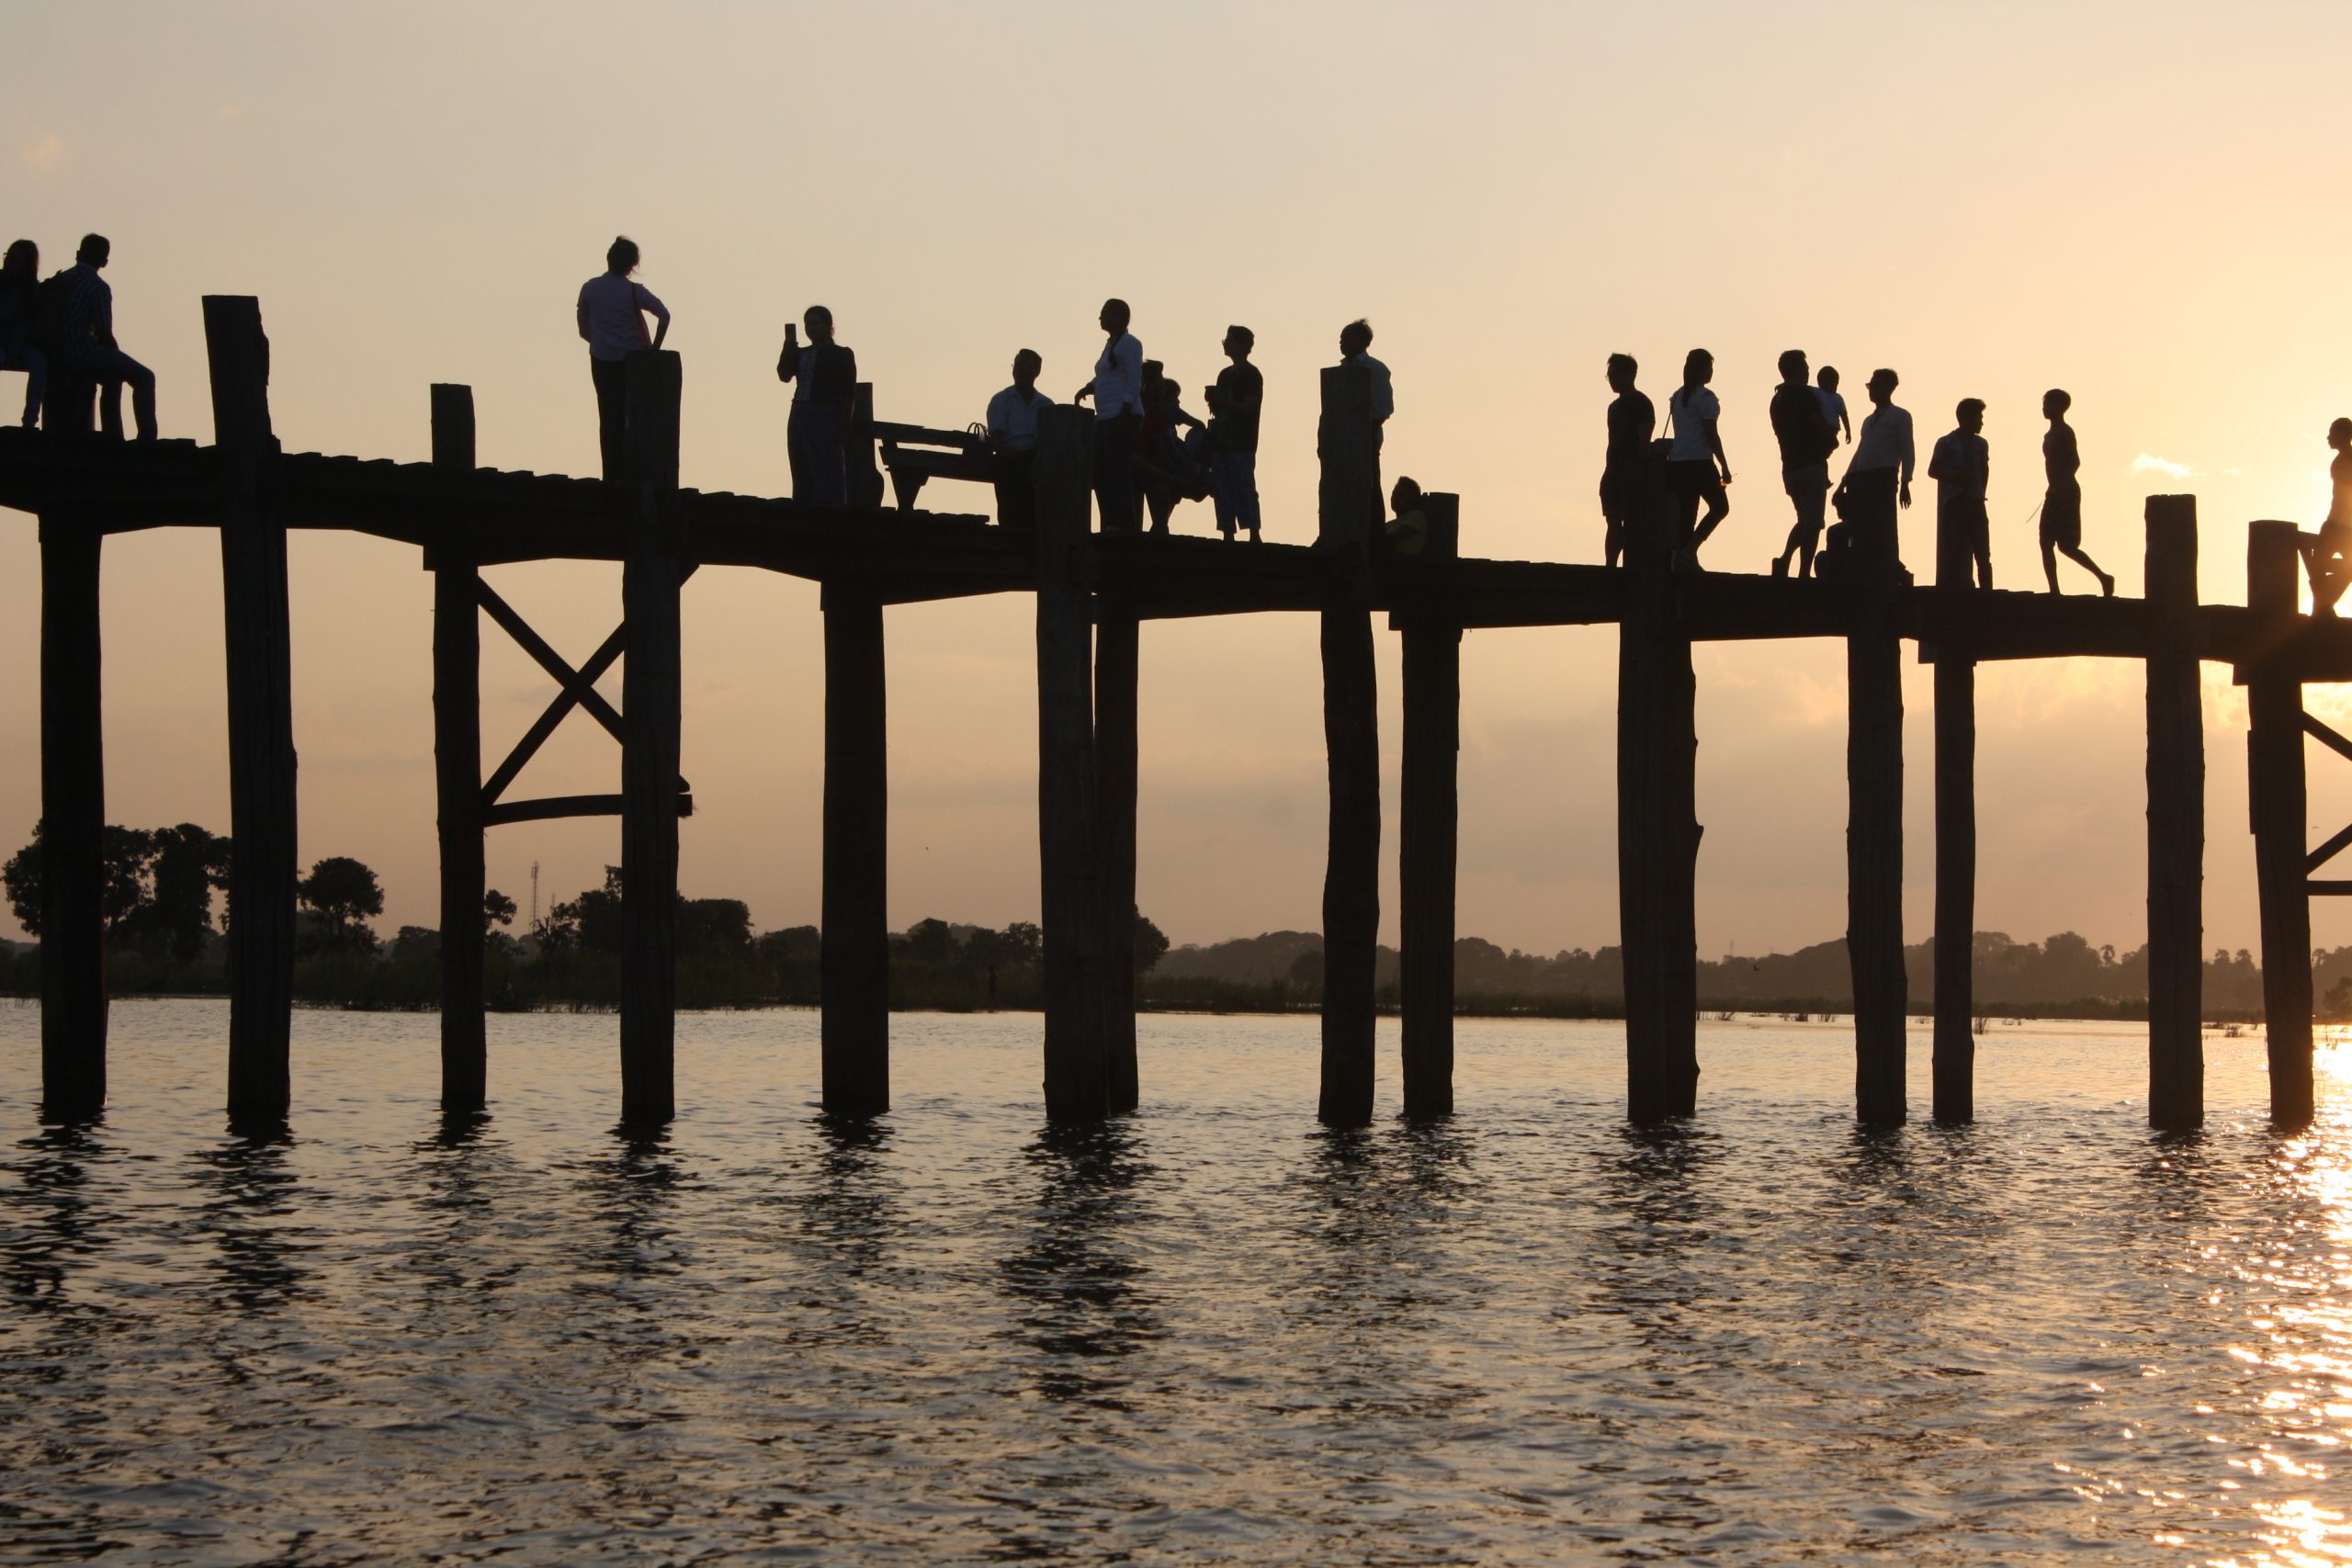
(1013, 436)
(612, 322)
(1960, 465)
(2328, 556)
(824, 385)
(1117, 391)
(1880, 477)
(1235, 402)
(2062, 507)
(85, 341)
(19, 287)
(1408, 533)
(1630, 492)
(1807, 440)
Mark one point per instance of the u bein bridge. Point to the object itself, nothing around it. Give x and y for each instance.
(1092, 593)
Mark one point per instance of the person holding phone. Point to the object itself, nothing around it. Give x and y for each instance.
(823, 375)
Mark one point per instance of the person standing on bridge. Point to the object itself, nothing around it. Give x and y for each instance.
(1696, 468)
(1629, 493)
(19, 288)
(1879, 478)
(824, 385)
(1807, 440)
(1961, 464)
(612, 313)
(1117, 391)
(2062, 507)
(1013, 436)
(86, 343)
(2325, 554)
(1235, 399)
(1355, 352)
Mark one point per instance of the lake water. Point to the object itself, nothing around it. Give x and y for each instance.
(1213, 1333)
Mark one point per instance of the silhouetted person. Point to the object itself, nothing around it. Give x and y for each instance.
(2062, 508)
(824, 384)
(1630, 492)
(1406, 534)
(20, 287)
(2324, 556)
(1807, 440)
(1880, 475)
(1355, 350)
(1696, 468)
(1833, 403)
(1961, 464)
(1235, 403)
(1013, 436)
(612, 322)
(1169, 470)
(86, 343)
(1117, 391)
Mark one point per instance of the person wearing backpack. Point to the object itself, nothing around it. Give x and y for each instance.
(20, 287)
(76, 310)
(1807, 440)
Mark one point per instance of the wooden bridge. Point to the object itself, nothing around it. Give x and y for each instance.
(1093, 591)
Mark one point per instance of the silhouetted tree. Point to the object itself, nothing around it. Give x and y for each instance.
(1151, 944)
(190, 864)
(128, 853)
(497, 907)
(342, 893)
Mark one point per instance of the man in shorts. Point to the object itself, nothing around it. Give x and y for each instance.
(2062, 507)
(1807, 440)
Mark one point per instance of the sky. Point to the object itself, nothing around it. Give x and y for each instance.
(2139, 203)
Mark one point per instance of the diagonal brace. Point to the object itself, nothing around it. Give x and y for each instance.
(577, 688)
(2327, 737)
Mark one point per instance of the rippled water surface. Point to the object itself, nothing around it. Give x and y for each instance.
(1211, 1334)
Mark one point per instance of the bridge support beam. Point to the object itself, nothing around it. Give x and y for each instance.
(1349, 509)
(1955, 939)
(261, 719)
(1076, 1059)
(457, 764)
(855, 959)
(1875, 838)
(651, 573)
(73, 814)
(1116, 658)
(2274, 779)
(1428, 820)
(2176, 823)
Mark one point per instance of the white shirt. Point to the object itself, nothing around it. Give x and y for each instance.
(1690, 408)
(1118, 378)
(1884, 442)
(615, 307)
(1384, 391)
(1833, 407)
(1014, 422)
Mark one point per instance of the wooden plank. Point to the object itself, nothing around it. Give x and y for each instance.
(550, 807)
(650, 576)
(1426, 825)
(456, 773)
(73, 813)
(2327, 889)
(2277, 806)
(2176, 823)
(1117, 654)
(1349, 509)
(261, 718)
(1874, 840)
(2326, 737)
(1954, 1068)
(1070, 898)
(855, 961)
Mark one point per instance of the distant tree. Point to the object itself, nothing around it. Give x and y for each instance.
(932, 941)
(790, 943)
(592, 921)
(342, 893)
(1306, 973)
(1151, 946)
(126, 852)
(416, 942)
(497, 907)
(191, 863)
(1027, 941)
(714, 927)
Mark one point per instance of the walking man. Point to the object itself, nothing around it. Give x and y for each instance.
(2062, 507)
(1013, 436)
(1960, 465)
(1235, 399)
(1880, 476)
(1806, 441)
(1629, 493)
(612, 308)
(86, 343)
(1117, 391)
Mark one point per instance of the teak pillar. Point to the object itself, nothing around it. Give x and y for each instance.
(2274, 700)
(855, 956)
(456, 765)
(1428, 815)
(2175, 822)
(1348, 509)
(1657, 833)
(1955, 944)
(261, 716)
(1116, 658)
(1874, 835)
(74, 813)
(650, 575)
(1070, 895)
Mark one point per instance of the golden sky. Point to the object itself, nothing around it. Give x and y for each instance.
(2141, 203)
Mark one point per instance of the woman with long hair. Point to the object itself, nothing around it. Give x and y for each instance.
(19, 284)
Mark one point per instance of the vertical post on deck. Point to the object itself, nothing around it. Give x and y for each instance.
(73, 814)
(1077, 1064)
(1116, 658)
(1874, 835)
(261, 716)
(856, 957)
(2274, 779)
(1349, 509)
(1657, 833)
(456, 767)
(1428, 815)
(650, 574)
(2175, 822)
(1955, 944)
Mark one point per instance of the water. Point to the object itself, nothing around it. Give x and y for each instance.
(1213, 1334)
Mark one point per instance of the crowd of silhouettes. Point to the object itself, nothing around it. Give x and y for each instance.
(60, 332)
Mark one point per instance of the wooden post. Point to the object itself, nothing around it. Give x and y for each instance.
(1116, 658)
(1955, 941)
(1427, 819)
(1875, 836)
(2274, 779)
(1077, 1064)
(457, 764)
(650, 575)
(1657, 833)
(73, 814)
(2176, 823)
(261, 716)
(855, 960)
(1349, 509)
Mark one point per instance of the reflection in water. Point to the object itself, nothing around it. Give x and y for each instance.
(1076, 1273)
(56, 1223)
(253, 1214)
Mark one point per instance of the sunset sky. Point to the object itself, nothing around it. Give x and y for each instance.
(2143, 204)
